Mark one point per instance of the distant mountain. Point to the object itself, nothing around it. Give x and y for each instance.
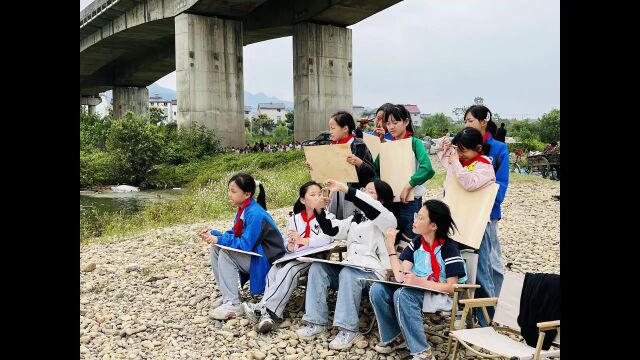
(253, 100)
(164, 93)
(249, 98)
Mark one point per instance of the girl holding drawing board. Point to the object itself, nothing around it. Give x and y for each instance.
(490, 264)
(432, 260)
(252, 223)
(464, 160)
(398, 121)
(341, 127)
(303, 232)
(364, 232)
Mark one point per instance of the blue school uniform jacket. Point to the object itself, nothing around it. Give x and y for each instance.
(260, 235)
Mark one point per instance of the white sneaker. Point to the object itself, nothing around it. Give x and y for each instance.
(425, 355)
(345, 339)
(266, 323)
(252, 311)
(225, 311)
(310, 331)
(217, 302)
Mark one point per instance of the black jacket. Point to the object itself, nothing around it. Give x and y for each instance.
(539, 301)
(366, 172)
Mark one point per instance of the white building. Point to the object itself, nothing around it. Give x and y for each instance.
(247, 112)
(169, 107)
(415, 114)
(274, 111)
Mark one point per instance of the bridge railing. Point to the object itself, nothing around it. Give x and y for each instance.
(96, 12)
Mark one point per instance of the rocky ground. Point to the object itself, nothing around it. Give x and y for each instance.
(148, 296)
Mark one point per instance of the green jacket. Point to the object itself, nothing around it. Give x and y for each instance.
(424, 170)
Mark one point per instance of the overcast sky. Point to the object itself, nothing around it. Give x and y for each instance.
(437, 54)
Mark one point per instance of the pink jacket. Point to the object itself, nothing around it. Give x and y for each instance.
(472, 177)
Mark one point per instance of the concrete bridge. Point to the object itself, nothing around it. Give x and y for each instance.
(126, 45)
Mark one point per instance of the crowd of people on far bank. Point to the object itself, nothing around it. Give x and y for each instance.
(262, 147)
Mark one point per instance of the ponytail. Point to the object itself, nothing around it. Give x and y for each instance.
(298, 207)
(247, 184)
(262, 197)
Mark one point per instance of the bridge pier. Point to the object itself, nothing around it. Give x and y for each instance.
(209, 77)
(322, 82)
(130, 98)
(90, 102)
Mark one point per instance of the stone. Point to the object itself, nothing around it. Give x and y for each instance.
(88, 267)
(132, 267)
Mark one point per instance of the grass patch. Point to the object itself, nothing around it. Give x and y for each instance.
(206, 195)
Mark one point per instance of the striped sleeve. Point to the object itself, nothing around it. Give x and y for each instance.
(453, 262)
(407, 253)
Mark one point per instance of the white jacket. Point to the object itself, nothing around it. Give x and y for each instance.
(365, 239)
(316, 237)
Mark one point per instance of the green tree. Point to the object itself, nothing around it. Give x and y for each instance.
(289, 121)
(248, 136)
(262, 125)
(93, 131)
(187, 144)
(549, 126)
(135, 146)
(458, 112)
(436, 124)
(157, 115)
(281, 134)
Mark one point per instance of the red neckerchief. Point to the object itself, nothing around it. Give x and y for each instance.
(343, 140)
(237, 228)
(435, 267)
(307, 229)
(486, 136)
(406, 135)
(478, 157)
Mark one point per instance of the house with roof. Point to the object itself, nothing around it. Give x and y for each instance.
(415, 114)
(247, 112)
(274, 111)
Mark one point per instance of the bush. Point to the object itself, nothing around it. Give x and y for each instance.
(187, 144)
(96, 168)
(549, 125)
(135, 146)
(93, 131)
(281, 135)
(131, 150)
(532, 145)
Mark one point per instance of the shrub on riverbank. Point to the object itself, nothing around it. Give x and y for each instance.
(127, 150)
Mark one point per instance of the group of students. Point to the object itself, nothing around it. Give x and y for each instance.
(373, 225)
